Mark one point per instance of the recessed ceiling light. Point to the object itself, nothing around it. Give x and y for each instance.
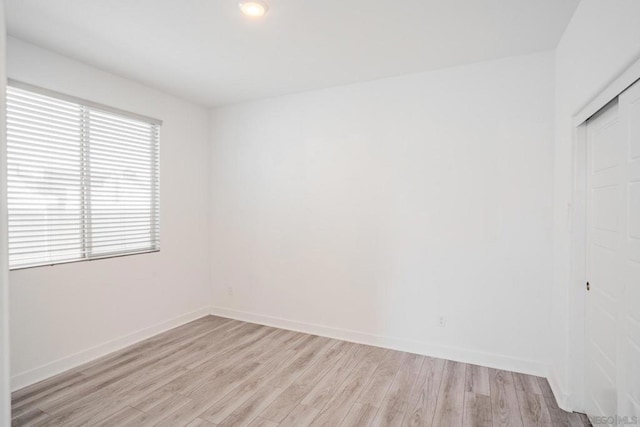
(253, 8)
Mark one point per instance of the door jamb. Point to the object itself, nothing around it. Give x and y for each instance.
(578, 272)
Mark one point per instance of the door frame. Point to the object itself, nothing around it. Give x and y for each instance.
(577, 224)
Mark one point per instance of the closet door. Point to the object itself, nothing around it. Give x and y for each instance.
(605, 211)
(629, 330)
(612, 358)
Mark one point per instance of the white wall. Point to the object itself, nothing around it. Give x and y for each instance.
(601, 41)
(63, 315)
(367, 211)
(5, 395)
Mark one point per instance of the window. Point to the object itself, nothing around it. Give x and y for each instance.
(83, 179)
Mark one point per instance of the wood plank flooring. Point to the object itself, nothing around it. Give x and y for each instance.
(221, 372)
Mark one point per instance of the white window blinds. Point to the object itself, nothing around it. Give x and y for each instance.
(83, 179)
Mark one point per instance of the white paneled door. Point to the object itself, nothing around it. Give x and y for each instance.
(629, 360)
(612, 358)
(604, 223)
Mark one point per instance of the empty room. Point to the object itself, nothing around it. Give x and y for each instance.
(319, 213)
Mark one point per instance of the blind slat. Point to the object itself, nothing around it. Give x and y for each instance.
(70, 241)
(61, 225)
(55, 247)
(67, 179)
(24, 262)
(70, 229)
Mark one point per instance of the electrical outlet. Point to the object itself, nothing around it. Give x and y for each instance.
(230, 291)
(442, 321)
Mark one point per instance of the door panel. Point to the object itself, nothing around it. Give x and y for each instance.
(634, 123)
(605, 210)
(604, 197)
(612, 345)
(629, 332)
(634, 221)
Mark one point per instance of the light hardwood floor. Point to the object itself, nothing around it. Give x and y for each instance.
(221, 372)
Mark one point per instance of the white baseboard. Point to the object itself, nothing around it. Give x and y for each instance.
(40, 373)
(491, 360)
(562, 398)
(418, 347)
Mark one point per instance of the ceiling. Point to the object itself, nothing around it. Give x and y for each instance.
(206, 51)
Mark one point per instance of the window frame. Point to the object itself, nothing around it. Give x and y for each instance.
(87, 106)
